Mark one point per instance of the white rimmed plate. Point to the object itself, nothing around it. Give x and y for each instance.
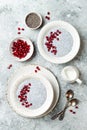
(31, 112)
(44, 72)
(67, 47)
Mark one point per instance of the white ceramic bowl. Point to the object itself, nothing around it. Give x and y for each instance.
(28, 56)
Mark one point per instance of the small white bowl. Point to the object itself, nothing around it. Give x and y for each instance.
(39, 16)
(28, 56)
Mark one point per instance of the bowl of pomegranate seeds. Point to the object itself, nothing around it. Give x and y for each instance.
(21, 49)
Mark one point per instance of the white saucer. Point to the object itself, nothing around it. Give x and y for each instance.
(32, 70)
(69, 29)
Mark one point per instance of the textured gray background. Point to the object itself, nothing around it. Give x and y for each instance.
(12, 15)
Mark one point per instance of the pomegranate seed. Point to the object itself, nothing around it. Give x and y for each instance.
(29, 84)
(76, 107)
(23, 104)
(25, 97)
(19, 96)
(27, 105)
(19, 32)
(74, 112)
(21, 100)
(19, 28)
(54, 47)
(30, 104)
(37, 68)
(48, 13)
(26, 102)
(9, 67)
(35, 71)
(48, 18)
(57, 39)
(71, 110)
(60, 32)
(22, 29)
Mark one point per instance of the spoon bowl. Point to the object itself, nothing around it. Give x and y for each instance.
(73, 102)
(69, 94)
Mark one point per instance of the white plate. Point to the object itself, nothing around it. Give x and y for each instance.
(16, 105)
(75, 45)
(42, 72)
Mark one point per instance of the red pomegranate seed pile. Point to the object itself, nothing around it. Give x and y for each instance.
(23, 96)
(49, 41)
(20, 48)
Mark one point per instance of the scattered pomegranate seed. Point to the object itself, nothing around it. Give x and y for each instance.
(29, 84)
(19, 28)
(48, 13)
(37, 68)
(20, 48)
(71, 110)
(47, 17)
(9, 67)
(76, 107)
(60, 32)
(35, 71)
(74, 112)
(19, 32)
(57, 39)
(22, 29)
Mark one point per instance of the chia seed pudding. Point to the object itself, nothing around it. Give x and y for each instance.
(62, 42)
(33, 20)
(36, 94)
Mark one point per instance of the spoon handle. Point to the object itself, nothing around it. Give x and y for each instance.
(56, 115)
(61, 117)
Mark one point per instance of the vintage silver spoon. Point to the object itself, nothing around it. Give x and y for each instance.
(73, 102)
(69, 96)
